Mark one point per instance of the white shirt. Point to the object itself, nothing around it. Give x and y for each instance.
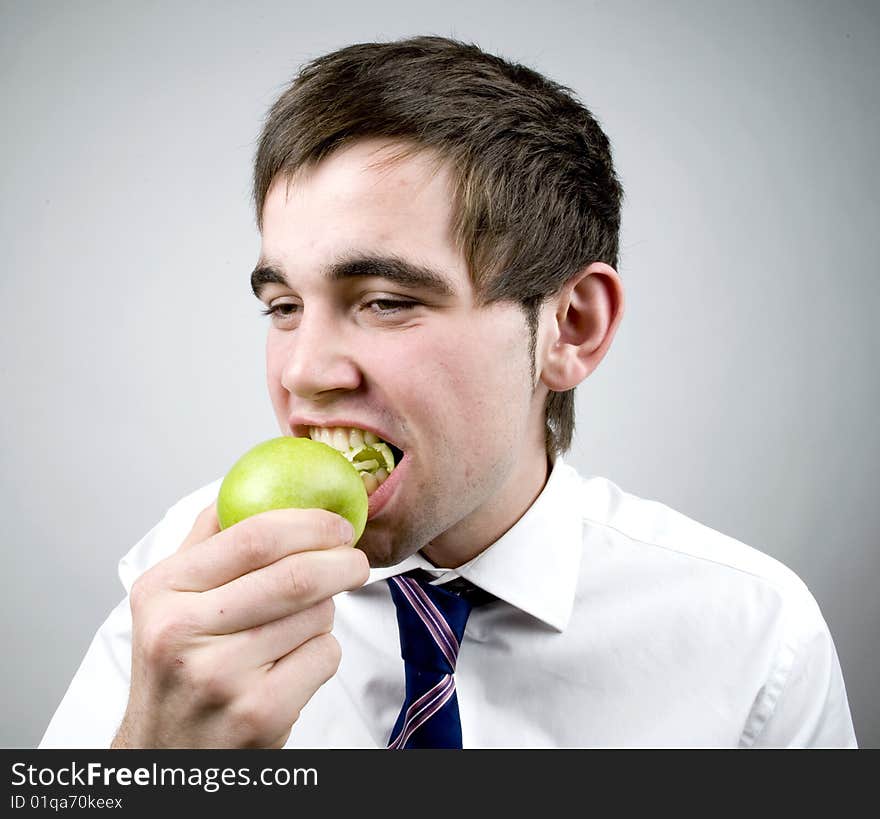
(620, 623)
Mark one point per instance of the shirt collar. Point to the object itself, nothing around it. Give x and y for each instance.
(534, 565)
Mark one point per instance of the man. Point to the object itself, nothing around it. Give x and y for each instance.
(439, 243)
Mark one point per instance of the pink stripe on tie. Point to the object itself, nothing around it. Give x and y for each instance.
(423, 709)
(431, 616)
(438, 615)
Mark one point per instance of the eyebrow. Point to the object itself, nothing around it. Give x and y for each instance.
(392, 268)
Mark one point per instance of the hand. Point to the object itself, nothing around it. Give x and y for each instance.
(231, 634)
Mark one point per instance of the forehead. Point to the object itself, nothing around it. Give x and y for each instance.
(361, 200)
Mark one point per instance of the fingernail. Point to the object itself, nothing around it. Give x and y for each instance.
(346, 530)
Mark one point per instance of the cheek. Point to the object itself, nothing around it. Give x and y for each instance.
(494, 365)
(480, 384)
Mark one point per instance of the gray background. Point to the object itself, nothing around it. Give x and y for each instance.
(741, 388)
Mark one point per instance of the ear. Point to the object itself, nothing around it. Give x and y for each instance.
(581, 322)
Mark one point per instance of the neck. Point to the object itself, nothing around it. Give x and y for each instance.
(486, 524)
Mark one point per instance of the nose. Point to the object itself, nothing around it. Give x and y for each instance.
(320, 360)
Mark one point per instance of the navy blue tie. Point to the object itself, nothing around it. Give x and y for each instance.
(431, 622)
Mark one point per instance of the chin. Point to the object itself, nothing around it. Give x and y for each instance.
(384, 549)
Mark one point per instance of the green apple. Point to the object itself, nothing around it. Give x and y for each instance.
(299, 473)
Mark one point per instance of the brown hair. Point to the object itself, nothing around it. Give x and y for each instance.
(536, 196)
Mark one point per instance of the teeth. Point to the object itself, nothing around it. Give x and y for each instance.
(343, 438)
(351, 441)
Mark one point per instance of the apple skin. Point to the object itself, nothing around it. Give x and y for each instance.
(299, 473)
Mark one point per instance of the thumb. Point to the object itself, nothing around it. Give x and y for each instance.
(205, 526)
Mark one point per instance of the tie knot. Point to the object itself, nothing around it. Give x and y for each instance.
(431, 622)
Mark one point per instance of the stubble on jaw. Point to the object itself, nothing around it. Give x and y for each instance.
(436, 515)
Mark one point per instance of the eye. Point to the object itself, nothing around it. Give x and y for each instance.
(390, 307)
(284, 310)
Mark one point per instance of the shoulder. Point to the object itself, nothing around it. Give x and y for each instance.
(646, 536)
(167, 535)
(729, 615)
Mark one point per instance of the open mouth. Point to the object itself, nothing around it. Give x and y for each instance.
(372, 457)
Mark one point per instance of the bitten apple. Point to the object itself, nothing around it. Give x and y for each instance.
(296, 473)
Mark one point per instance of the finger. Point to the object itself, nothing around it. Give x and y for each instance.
(290, 585)
(281, 741)
(263, 645)
(289, 684)
(308, 668)
(206, 524)
(254, 543)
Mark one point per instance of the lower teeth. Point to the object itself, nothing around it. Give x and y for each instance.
(372, 457)
(373, 480)
(371, 483)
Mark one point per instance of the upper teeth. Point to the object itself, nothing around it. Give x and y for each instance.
(342, 438)
(366, 452)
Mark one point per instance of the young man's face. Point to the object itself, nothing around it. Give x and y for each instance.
(377, 328)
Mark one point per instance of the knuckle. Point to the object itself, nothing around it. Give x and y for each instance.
(329, 653)
(212, 687)
(140, 594)
(325, 526)
(325, 612)
(145, 588)
(255, 540)
(163, 636)
(362, 566)
(256, 722)
(301, 580)
(281, 741)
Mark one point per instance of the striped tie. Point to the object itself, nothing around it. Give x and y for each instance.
(431, 622)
